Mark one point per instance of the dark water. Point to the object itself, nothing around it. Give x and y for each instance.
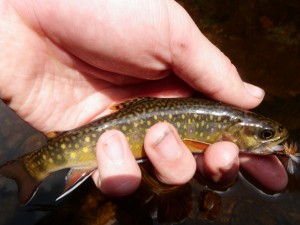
(262, 38)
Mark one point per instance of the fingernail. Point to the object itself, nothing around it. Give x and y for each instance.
(167, 145)
(254, 90)
(113, 148)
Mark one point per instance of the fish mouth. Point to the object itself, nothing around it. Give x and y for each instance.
(269, 147)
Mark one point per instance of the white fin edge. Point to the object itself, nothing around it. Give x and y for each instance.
(142, 160)
(73, 187)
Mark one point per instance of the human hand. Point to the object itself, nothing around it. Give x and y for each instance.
(63, 64)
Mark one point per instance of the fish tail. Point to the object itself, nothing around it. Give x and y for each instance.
(27, 185)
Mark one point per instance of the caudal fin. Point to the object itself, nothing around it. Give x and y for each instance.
(27, 185)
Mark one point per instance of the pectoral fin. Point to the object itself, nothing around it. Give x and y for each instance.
(75, 177)
(228, 137)
(196, 146)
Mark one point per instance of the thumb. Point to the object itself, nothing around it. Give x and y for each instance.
(202, 65)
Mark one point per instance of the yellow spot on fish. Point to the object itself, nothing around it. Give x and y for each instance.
(178, 124)
(69, 145)
(135, 124)
(201, 134)
(202, 123)
(189, 120)
(50, 160)
(225, 121)
(184, 126)
(197, 125)
(93, 135)
(59, 157)
(50, 147)
(182, 116)
(87, 139)
(148, 122)
(219, 118)
(170, 116)
(73, 155)
(211, 117)
(207, 126)
(76, 146)
(44, 157)
(124, 128)
(219, 126)
(85, 149)
(155, 117)
(208, 137)
(63, 146)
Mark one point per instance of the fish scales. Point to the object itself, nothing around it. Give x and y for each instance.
(197, 121)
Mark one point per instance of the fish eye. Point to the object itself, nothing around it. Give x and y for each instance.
(266, 134)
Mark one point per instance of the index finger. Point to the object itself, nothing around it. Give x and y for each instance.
(202, 65)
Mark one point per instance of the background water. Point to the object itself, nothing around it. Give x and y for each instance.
(262, 39)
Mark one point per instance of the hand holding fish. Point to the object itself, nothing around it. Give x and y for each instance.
(63, 65)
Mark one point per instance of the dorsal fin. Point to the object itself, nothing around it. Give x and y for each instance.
(127, 103)
(54, 134)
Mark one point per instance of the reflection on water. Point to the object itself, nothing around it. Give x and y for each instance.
(262, 39)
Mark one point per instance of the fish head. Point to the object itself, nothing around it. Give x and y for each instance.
(259, 136)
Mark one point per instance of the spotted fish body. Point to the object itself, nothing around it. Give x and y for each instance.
(199, 123)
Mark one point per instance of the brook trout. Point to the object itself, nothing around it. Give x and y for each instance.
(199, 123)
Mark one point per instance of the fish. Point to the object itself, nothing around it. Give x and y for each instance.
(199, 122)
